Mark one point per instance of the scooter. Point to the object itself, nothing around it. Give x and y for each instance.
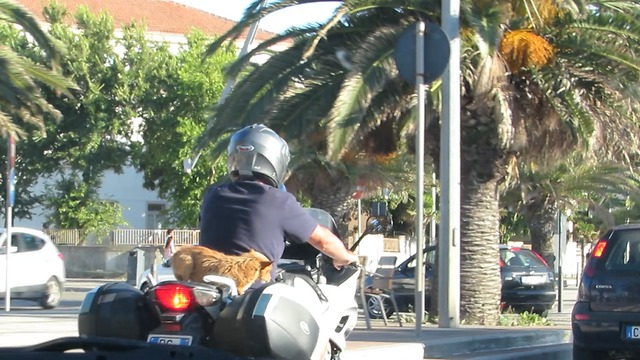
(306, 314)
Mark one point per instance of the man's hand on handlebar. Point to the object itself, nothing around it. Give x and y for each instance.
(349, 259)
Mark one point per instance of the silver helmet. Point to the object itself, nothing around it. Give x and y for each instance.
(257, 151)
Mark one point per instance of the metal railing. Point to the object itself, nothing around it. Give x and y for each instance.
(153, 237)
(64, 236)
(134, 237)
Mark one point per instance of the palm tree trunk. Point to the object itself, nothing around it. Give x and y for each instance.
(479, 270)
(541, 217)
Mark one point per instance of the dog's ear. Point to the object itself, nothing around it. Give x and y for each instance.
(265, 264)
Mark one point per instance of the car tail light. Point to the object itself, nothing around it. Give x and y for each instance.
(61, 256)
(580, 317)
(540, 257)
(176, 297)
(598, 250)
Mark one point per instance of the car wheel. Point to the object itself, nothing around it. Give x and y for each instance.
(580, 353)
(52, 295)
(375, 309)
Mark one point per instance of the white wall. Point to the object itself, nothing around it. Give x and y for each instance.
(125, 188)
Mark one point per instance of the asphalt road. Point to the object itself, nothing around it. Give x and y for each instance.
(28, 324)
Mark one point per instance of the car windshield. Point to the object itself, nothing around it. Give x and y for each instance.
(520, 257)
(429, 259)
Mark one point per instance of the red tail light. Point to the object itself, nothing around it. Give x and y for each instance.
(174, 297)
(61, 256)
(596, 253)
(540, 257)
(599, 249)
(581, 317)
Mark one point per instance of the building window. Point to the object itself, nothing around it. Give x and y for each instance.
(156, 215)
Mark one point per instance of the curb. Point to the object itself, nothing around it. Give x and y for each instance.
(404, 351)
(478, 343)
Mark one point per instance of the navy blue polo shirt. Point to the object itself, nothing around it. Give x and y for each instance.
(244, 215)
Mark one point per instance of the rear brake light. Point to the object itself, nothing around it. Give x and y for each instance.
(61, 256)
(581, 317)
(599, 248)
(180, 298)
(540, 258)
(174, 297)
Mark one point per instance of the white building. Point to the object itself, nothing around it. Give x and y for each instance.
(165, 21)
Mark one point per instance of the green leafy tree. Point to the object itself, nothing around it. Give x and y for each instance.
(540, 79)
(76, 206)
(174, 112)
(23, 105)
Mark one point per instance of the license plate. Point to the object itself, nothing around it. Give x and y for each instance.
(533, 280)
(170, 339)
(632, 332)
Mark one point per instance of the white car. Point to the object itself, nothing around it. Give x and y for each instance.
(36, 267)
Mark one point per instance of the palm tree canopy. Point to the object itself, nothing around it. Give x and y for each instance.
(547, 70)
(20, 97)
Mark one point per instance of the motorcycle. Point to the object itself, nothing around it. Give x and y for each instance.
(307, 313)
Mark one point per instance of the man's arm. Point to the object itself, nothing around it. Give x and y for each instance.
(324, 240)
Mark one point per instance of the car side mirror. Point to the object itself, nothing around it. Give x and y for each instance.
(3, 251)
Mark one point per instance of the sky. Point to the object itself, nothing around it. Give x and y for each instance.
(276, 22)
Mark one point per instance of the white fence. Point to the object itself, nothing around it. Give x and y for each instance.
(144, 237)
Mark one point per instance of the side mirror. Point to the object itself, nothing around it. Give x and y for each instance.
(3, 250)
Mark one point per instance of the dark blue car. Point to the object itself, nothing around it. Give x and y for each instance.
(528, 284)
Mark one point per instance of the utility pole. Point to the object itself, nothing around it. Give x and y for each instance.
(9, 201)
(449, 239)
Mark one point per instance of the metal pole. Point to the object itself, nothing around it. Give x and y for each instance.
(420, 90)
(359, 218)
(449, 242)
(562, 240)
(434, 208)
(189, 164)
(11, 162)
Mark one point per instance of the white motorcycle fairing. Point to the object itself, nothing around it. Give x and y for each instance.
(277, 320)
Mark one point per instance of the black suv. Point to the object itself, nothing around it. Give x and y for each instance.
(606, 316)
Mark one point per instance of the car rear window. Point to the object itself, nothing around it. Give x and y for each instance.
(520, 257)
(625, 254)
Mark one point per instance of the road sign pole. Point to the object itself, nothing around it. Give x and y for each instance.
(449, 240)
(420, 114)
(9, 201)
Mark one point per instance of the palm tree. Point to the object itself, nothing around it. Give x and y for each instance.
(20, 97)
(540, 79)
(540, 193)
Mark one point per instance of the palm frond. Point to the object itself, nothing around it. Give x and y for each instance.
(373, 68)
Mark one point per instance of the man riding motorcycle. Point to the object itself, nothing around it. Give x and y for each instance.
(252, 213)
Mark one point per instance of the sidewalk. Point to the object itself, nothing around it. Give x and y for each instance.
(443, 343)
